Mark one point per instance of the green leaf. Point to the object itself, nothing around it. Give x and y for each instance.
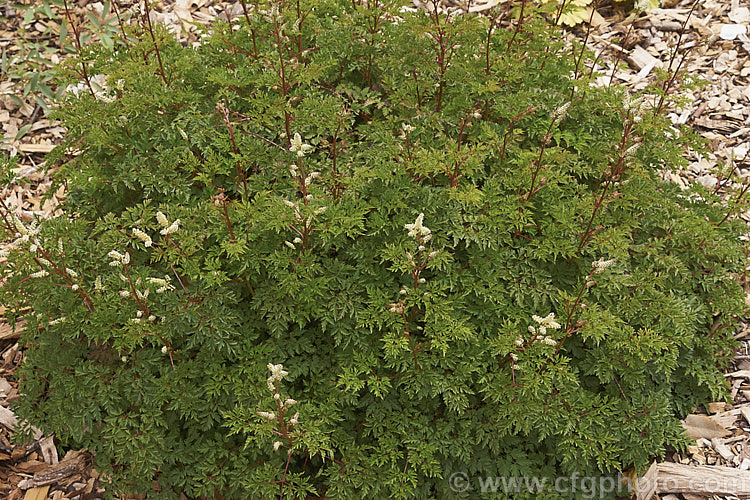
(23, 131)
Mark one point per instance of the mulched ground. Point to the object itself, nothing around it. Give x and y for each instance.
(713, 44)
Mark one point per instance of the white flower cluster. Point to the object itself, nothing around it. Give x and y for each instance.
(98, 83)
(168, 228)
(298, 147)
(601, 264)
(540, 335)
(163, 283)
(139, 314)
(118, 259)
(543, 324)
(396, 307)
(632, 149)
(405, 130)
(310, 178)
(419, 230)
(636, 105)
(57, 321)
(277, 374)
(298, 211)
(560, 112)
(26, 234)
(145, 238)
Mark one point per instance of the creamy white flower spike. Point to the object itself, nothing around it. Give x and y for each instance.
(560, 112)
(601, 264)
(418, 229)
(98, 84)
(163, 283)
(20, 227)
(162, 219)
(118, 259)
(298, 147)
(277, 373)
(547, 322)
(114, 254)
(632, 149)
(141, 235)
(172, 228)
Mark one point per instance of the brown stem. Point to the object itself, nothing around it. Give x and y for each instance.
(416, 84)
(589, 27)
(153, 39)
(620, 51)
(518, 26)
(282, 74)
(670, 81)
(77, 39)
(120, 23)
(559, 12)
(538, 164)
(494, 21)
(736, 203)
(241, 177)
(513, 122)
(613, 174)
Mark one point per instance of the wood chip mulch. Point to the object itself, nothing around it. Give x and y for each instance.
(715, 45)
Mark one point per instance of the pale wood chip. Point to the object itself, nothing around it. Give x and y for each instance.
(722, 449)
(39, 493)
(49, 450)
(701, 426)
(9, 420)
(6, 332)
(702, 480)
(75, 461)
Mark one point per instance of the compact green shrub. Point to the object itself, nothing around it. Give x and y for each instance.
(348, 251)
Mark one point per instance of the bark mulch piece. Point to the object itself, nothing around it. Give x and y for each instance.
(714, 43)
